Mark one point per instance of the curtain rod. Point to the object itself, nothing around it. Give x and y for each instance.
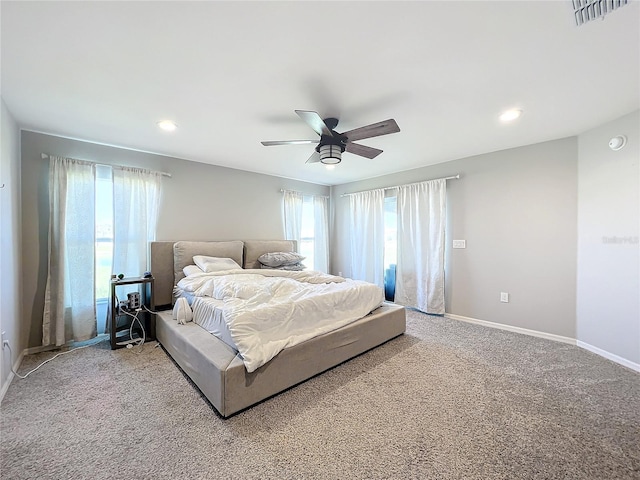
(282, 190)
(405, 185)
(46, 155)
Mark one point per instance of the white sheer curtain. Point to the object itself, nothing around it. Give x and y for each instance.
(293, 219)
(293, 215)
(136, 199)
(321, 233)
(421, 225)
(69, 305)
(367, 236)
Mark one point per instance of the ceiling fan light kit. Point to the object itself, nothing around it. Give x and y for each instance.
(332, 144)
(330, 154)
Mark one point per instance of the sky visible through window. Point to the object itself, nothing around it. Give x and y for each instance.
(307, 237)
(104, 230)
(390, 231)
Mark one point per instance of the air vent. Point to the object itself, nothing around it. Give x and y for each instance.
(587, 10)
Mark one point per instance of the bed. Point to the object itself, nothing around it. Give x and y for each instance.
(216, 368)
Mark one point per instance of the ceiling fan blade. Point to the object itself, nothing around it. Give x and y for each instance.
(288, 142)
(363, 150)
(373, 130)
(314, 158)
(315, 121)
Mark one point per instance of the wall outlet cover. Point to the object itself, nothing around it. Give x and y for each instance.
(459, 244)
(504, 297)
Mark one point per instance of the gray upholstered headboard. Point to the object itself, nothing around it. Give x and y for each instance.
(183, 253)
(254, 248)
(169, 258)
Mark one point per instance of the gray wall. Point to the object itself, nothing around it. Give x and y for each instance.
(608, 314)
(200, 202)
(10, 248)
(517, 210)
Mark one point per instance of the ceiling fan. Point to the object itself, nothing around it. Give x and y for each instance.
(332, 144)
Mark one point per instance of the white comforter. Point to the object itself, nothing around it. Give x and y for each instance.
(269, 310)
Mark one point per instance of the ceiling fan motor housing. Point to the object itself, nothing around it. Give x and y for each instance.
(337, 140)
(331, 146)
(331, 123)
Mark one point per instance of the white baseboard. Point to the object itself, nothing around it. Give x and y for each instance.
(525, 331)
(7, 383)
(40, 349)
(610, 356)
(557, 338)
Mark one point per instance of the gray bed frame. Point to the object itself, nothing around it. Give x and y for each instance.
(216, 368)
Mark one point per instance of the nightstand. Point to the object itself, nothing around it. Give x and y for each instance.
(129, 297)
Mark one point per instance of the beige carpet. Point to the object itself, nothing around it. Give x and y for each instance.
(447, 400)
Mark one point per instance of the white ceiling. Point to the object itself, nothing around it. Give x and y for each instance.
(231, 74)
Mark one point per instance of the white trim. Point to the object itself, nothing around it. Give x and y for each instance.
(525, 331)
(610, 356)
(41, 348)
(71, 344)
(6, 385)
(549, 336)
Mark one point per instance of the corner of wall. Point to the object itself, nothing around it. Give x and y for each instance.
(608, 250)
(10, 232)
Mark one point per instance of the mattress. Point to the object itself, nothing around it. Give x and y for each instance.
(267, 311)
(208, 314)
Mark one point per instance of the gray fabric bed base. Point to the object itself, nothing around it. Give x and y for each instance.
(219, 373)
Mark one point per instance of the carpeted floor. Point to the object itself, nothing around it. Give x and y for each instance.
(447, 400)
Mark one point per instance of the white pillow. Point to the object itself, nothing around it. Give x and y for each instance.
(191, 269)
(182, 311)
(214, 264)
(278, 259)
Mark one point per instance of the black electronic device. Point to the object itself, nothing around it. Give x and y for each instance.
(133, 299)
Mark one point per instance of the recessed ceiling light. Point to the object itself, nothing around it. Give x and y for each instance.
(167, 125)
(510, 115)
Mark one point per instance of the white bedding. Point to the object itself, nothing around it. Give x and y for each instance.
(269, 310)
(208, 313)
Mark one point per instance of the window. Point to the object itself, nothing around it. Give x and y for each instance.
(109, 216)
(104, 231)
(390, 245)
(390, 231)
(306, 221)
(307, 235)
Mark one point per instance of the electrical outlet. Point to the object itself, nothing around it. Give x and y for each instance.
(504, 297)
(459, 244)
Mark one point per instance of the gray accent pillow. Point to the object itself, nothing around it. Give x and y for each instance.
(278, 259)
(295, 267)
